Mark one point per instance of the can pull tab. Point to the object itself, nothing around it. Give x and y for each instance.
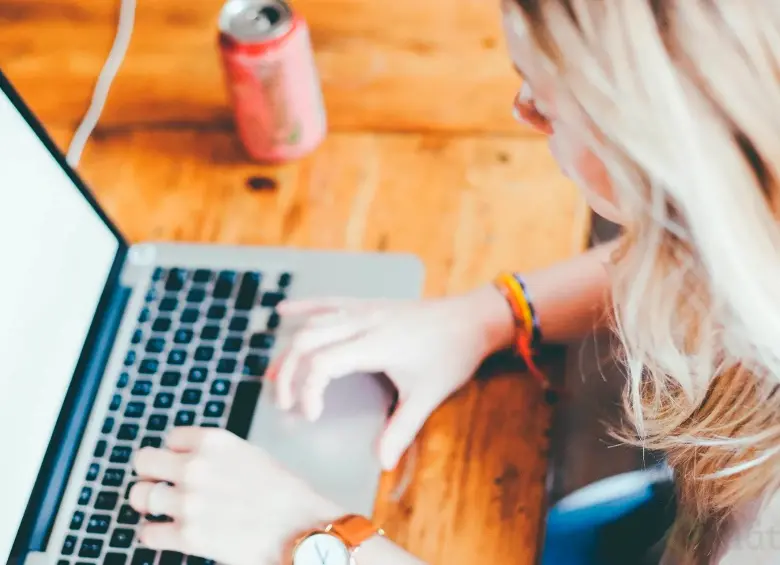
(266, 18)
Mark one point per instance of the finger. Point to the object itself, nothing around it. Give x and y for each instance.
(334, 363)
(164, 536)
(316, 306)
(187, 439)
(303, 345)
(401, 430)
(158, 499)
(160, 464)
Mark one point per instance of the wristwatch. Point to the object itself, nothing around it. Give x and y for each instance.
(336, 543)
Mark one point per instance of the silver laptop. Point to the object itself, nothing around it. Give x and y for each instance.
(104, 347)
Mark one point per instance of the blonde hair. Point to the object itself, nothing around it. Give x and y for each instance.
(680, 99)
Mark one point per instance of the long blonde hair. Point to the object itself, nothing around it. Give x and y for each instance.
(681, 101)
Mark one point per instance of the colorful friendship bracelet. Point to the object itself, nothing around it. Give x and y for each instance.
(529, 335)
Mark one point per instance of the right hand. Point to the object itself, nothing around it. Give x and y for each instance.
(427, 348)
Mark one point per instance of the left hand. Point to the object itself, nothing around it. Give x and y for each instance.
(229, 501)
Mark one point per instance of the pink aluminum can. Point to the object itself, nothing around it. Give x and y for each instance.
(272, 79)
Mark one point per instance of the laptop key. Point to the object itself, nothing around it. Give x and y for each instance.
(204, 353)
(196, 295)
(142, 388)
(244, 402)
(177, 357)
(135, 410)
(161, 325)
(98, 524)
(170, 378)
(137, 338)
(85, 495)
(209, 333)
(124, 378)
(226, 366)
(113, 477)
(285, 279)
(149, 366)
(198, 375)
(163, 400)
(168, 304)
(155, 345)
(158, 274)
(116, 402)
(114, 558)
(151, 441)
(182, 336)
(144, 316)
(171, 558)
(157, 423)
(122, 538)
(143, 556)
(274, 320)
(93, 471)
(130, 358)
(100, 448)
(223, 288)
(272, 299)
(191, 396)
(232, 344)
(91, 548)
(128, 516)
(220, 387)
(239, 324)
(77, 520)
(108, 425)
(106, 500)
(175, 280)
(121, 454)
(127, 432)
(261, 341)
(69, 545)
(247, 291)
(216, 312)
(189, 316)
(184, 418)
(255, 365)
(129, 488)
(214, 409)
(201, 276)
(194, 560)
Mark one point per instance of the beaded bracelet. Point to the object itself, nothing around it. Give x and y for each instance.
(528, 335)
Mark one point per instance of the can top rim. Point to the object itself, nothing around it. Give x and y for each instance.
(246, 21)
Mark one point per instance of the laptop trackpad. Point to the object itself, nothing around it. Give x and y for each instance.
(337, 453)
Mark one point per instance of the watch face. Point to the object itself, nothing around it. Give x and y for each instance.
(321, 549)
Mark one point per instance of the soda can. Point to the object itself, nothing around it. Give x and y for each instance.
(272, 79)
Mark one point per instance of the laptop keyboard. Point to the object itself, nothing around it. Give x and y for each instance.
(193, 360)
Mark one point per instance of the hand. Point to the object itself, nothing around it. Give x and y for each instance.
(229, 501)
(427, 348)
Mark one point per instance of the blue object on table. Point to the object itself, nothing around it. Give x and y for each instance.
(574, 523)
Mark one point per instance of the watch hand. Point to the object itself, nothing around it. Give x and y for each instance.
(325, 558)
(319, 553)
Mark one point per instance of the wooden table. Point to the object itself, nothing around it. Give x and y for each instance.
(445, 174)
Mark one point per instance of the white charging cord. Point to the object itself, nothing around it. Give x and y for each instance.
(103, 85)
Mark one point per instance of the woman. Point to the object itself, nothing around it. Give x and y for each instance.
(667, 114)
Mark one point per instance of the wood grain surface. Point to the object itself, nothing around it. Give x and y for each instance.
(423, 156)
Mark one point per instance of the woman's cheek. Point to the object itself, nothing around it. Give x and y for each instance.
(579, 164)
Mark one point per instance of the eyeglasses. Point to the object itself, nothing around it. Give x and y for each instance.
(525, 111)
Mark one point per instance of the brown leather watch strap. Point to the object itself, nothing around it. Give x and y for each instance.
(354, 530)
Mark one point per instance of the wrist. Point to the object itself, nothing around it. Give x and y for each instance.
(493, 316)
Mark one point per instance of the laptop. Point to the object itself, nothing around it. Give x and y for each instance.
(106, 346)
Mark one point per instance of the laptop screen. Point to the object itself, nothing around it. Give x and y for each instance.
(55, 255)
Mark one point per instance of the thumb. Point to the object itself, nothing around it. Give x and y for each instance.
(401, 430)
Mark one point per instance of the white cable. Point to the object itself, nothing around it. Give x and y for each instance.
(103, 85)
